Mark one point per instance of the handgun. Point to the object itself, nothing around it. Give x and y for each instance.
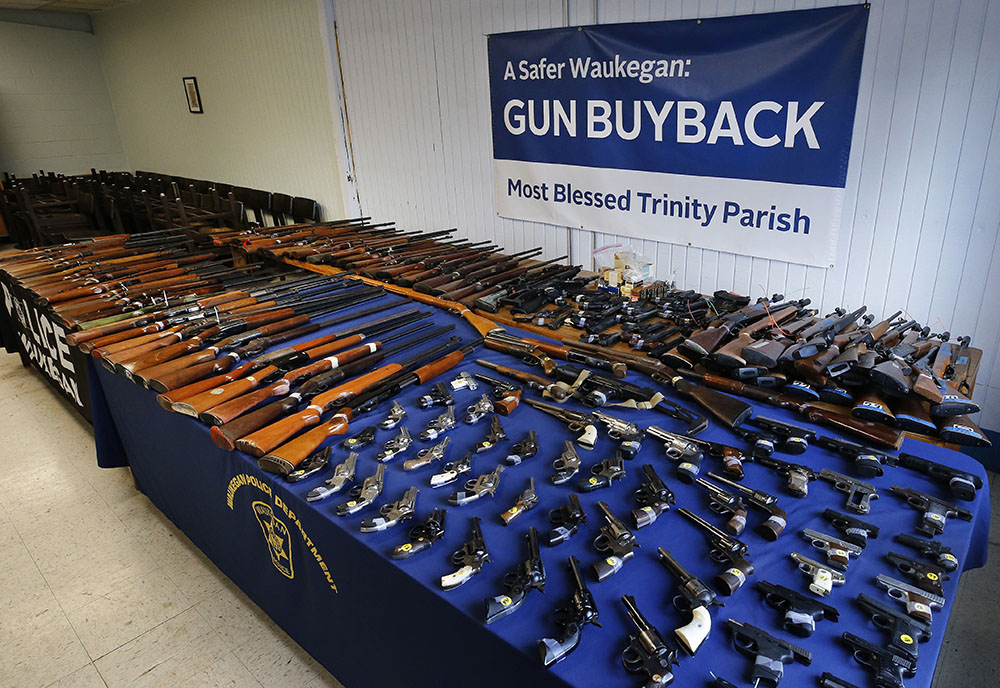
(469, 559)
(576, 421)
(680, 448)
(859, 494)
(343, 473)
(567, 465)
(724, 549)
(485, 484)
(391, 514)
(647, 652)
(494, 436)
(936, 512)
(479, 410)
(653, 497)
(579, 611)
(526, 501)
(774, 526)
(823, 576)
(566, 521)
(692, 596)
(904, 630)
(962, 484)
(451, 471)
(867, 462)
(927, 577)
(525, 449)
(427, 455)
(603, 474)
(801, 612)
(770, 654)
(527, 575)
(888, 668)
(838, 552)
(422, 535)
(615, 541)
(919, 603)
(932, 549)
(798, 475)
(854, 529)
(364, 494)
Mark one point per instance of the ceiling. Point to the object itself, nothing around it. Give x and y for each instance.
(90, 6)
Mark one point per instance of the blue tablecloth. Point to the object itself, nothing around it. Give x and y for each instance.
(376, 622)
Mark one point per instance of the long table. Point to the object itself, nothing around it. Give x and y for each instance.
(373, 621)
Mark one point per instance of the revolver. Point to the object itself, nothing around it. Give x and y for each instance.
(774, 526)
(451, 471)
(526, 501)
(615, 541)
(361, 440)
(506, 395)
(854, 530)
(391, 514)
(769, 653)
(801, 612)
(343, 473)
(932, 549)
(823, 576)
(427, 455)
(603, 474)
(647, 652)
(576, 421)
(723, 549)
(692, 596)
(422, 536)
(579, 611)
(726, 504)
(919, 603)
(476, 412)
(364, 494)
(653, 497)
(316, 462)
(904, 631)
(888, 668)
(439, 426)
(628, 435)
(469, 559)
(495, 435)
(928, 577)
(681, 449)
(567, 465)
(566, 521)
(437, 396)
(935, 511)
(525, 449)
(395, 445)
(838, 552)
(867, 462)
(519, 582)
(396, 414)
(485, 484)
(859, 494)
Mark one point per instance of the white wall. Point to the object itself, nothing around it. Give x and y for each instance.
(262, 69)
(922, 206)
(55, 113)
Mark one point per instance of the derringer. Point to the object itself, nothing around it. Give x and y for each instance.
(603, 474)
(859, 494)
(770, 654)
(801, 612)
(823, 576)
(579, 611)
(391, 514)
(928, 577)
(854, 529)
(888, 668)
(451, 470)
(723, 549)
(647, 652)
(495, 435)
(692, 596)
(519, 582)
(963, 485)
(653, 497)
(681, 449)
(566, 521)
(469, 559)
(576, 421)
(627, 435)
(762, 501)
(316, 462)
(526, 501)
(936, 512)
(567, 465)
(867, 462)
(485, 484)
(615, 541)
(932, 549)
(904, 631)
(919, 603)
(439, 426)
(525, 449)
(422, 535)
(364, 494)
(437, 396)
(396, 414)
(476, 412)
(343, 473)
(798, 475)
(427, 455)
(361, 440)
(838, 552)
(395, 445)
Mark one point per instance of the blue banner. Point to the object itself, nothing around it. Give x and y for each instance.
(724, 126)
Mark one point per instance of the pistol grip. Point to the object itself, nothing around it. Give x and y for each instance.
(693, 634)
(588, 438)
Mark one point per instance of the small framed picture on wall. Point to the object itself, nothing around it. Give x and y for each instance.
(193, 96)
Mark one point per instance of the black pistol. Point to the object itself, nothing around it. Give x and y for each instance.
(770, 654)
(579, 611)
(529, 574)
(801, 612)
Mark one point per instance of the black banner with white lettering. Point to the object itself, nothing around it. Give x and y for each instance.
(39, 338)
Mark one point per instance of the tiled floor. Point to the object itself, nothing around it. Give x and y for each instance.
(98, 588)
